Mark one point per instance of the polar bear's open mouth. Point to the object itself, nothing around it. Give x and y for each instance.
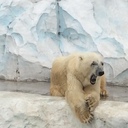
(93, 79)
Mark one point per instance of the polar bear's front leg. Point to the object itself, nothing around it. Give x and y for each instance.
(92, 96)
(92, 102)
(103, 91)
(76, 99)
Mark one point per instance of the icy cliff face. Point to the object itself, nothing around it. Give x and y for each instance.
(34, 32)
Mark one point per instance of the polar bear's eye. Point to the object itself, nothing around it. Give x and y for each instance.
(81, 58)
(102, 63)
(94, 63)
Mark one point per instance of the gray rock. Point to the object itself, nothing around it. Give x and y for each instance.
(22, 110)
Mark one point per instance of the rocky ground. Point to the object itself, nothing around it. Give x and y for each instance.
(19, 108)
(23, 110)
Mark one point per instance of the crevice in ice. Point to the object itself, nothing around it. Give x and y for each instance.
(70, 34)
(54, 43)
(17, 78)
(18, 38)
(2, 44)
(41, 23)
(58, 19)
(73, 32)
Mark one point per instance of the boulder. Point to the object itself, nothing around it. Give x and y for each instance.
(22, 110)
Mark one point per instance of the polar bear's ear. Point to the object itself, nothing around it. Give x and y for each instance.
(80, 57)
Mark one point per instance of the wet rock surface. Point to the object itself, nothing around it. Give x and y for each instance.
(116, 93)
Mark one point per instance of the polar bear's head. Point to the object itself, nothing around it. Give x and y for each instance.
(91, 66)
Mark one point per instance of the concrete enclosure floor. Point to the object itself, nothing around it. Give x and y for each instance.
(116, 93)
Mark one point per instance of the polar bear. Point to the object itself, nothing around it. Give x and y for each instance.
(80, 78)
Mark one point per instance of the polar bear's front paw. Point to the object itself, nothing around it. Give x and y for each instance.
(91, 103)
(103, 93)
(84, 115)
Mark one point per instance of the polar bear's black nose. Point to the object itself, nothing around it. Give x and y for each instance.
(101, 73)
